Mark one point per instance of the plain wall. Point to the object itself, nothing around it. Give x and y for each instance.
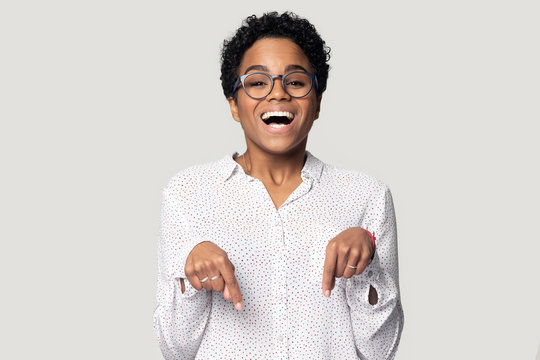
(101, 102)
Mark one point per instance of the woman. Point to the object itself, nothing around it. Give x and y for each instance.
(271, 254)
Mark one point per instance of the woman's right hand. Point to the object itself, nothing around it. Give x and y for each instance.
(208, 260)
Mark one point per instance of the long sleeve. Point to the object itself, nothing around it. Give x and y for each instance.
(179, 319)
(377, 328)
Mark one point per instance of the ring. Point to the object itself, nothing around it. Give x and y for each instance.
(352, 267)
(212, 278)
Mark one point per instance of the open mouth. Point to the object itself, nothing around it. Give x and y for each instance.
(277, 119)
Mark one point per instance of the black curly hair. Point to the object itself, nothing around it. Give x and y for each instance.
(273, 25)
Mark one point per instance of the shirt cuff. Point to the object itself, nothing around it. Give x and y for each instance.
(190, 290)
(357, 288)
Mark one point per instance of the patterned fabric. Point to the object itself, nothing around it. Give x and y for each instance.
(279, 257)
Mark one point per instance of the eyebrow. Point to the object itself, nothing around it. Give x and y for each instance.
(264, 68)
(256, 67)
(294, 67)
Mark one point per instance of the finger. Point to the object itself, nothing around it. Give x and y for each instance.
(222, 286)
(202, 274)
(212, 271)
(341, 264)
(192, 277)
(364, 261)
(329, 268)
(218, 284)
(226, 293)
(354, 258)
(232, 284)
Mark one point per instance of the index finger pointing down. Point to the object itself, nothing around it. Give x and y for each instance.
(329, 270)
(227, 271)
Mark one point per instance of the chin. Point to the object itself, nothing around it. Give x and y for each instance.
(280, 148)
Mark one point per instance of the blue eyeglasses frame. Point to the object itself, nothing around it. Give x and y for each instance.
(242, 78)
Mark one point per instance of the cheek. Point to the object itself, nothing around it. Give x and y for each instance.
(246, 109)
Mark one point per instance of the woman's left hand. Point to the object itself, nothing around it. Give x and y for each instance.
(350, 247)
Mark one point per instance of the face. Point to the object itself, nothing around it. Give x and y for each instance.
(275, 57)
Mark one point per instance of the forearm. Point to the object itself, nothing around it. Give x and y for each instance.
(376, 325)
(180, 319)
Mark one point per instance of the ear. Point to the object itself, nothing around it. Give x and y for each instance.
(234, 108)
(318, 109)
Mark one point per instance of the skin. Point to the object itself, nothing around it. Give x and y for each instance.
(277, 160)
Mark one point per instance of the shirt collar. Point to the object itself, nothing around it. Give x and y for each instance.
(228, 167)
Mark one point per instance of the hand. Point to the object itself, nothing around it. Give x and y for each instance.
(208, 260)
(351, 247)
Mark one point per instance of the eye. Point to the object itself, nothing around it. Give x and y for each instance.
(255, 83)
(297, 80)
(295, 83)
(257, 80)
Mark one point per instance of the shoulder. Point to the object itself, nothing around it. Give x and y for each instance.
(194, 179)
(354, 181)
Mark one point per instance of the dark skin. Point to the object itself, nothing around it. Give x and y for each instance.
(351, 246)
(276, 159)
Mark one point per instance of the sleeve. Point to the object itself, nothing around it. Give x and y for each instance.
(377, 328)
(179, 319)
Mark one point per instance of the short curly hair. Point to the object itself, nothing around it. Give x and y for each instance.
(273, 25)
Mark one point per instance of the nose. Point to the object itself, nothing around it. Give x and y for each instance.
(278, 92)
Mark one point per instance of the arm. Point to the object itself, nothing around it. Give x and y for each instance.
(180, 317)
(373, 296)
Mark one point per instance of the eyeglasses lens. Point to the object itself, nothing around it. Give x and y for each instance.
(297, 84)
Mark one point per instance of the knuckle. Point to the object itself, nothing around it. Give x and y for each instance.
(222, 260)
(231, 282)
(354, 253)
(197, 268)
(344, 252)
(189, 271)
(328, 272)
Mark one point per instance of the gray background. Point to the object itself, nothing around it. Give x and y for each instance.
(101, 102)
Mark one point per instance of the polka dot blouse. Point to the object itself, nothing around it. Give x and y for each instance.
(278, 256)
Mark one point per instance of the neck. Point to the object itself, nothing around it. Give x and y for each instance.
(276, 169)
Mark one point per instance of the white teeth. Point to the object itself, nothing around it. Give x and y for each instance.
(266, 115)
(276, 125)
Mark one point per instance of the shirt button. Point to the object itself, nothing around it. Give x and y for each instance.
(370, 273)
(281, 337)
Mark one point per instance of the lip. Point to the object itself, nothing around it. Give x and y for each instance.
(280, 130)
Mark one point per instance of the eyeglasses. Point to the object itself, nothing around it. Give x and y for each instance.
(258, 85)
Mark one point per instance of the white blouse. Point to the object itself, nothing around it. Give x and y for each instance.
(278, 256)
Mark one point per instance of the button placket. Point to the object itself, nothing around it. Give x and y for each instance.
(282, 321)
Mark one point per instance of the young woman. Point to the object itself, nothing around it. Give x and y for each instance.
(274, 254)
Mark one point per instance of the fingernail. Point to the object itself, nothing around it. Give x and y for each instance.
(327, 293)
(238, 306)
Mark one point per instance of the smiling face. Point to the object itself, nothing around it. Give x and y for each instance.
(275, 56)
